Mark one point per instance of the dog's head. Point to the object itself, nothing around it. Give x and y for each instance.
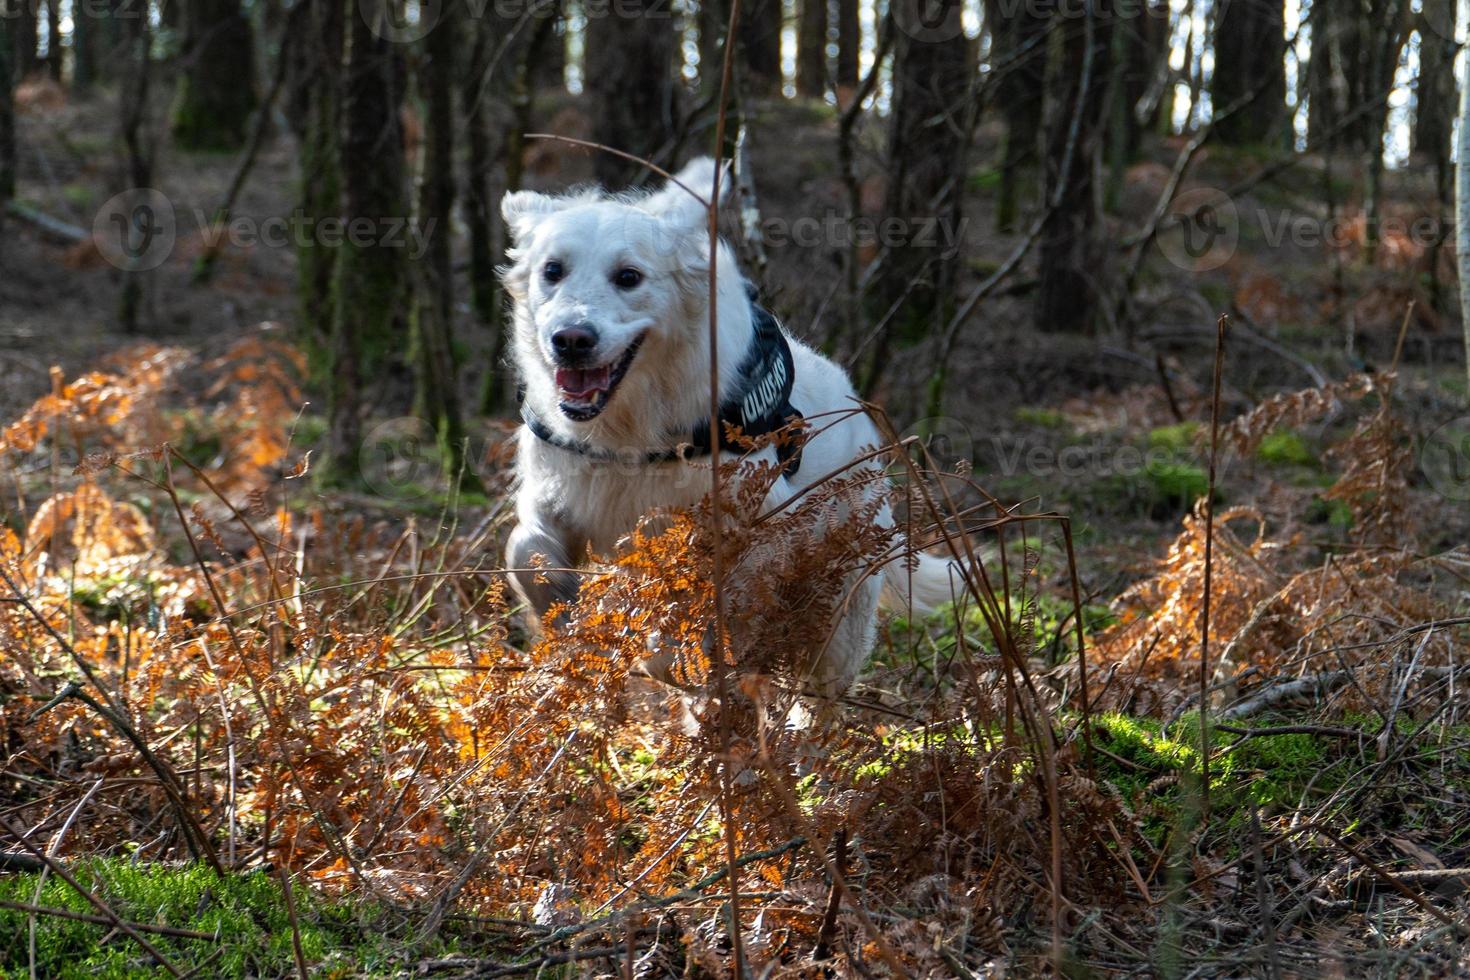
(606, 287)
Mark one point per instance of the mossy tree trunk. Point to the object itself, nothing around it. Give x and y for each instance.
(369, 296)
(313, 106)
(216, 79)
(436, 376)
(1018, 50)
(630, 52)
(1434, 118)
(811, 49)
(506, 97)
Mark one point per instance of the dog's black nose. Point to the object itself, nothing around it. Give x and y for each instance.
(574, 341)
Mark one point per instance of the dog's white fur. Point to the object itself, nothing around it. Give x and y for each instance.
(567, 503)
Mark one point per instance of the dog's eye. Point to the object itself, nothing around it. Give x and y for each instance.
(627, 278)
(552, 271)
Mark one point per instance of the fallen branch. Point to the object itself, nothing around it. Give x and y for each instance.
(10, 861)
(1313, 686)
(1319, 684)
(62, 231)
(555, 959)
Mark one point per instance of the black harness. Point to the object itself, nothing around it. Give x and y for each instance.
(759, 406)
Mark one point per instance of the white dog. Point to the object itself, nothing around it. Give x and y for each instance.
(611, 341)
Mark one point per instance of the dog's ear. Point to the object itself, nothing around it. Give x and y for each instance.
(524, 210)
(682, 199)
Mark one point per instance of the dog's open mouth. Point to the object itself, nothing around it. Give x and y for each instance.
(585, 391)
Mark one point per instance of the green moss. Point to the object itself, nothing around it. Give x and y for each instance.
(1216, 294)
(1176, 438)
(1042, 418)
(1174, 484)
(984, 180)
(1335, 513)
(247, 913)
(79, 195)
(1045, 622)
(1271, 772)
(1285, 447)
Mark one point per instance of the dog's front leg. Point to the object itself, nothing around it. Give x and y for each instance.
(540, 562)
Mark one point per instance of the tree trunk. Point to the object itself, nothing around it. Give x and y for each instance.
(313, 106)
(1355, 53)
(849, 50)
(1388, 38)
(53, 39)
(1018, 36)
(512, 121)
(83, 47)
(630, 58)
(138, 44)
(1434, 89)
(927, 143)
(1462, 214)
(7, 114)
(1249, 64)
(1324, 93)
(811, 49)
(216, 81)
(760, 43)
(712, 16)
(369, 285)
(549, 72)
(475, 97)
(436, 389)
(1070, 292)
(25, 38)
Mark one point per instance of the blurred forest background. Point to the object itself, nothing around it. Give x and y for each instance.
(260, 679)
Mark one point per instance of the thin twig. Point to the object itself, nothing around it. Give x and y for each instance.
(1204, 630)
(102, 920)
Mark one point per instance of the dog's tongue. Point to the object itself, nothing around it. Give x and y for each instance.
(578, 381)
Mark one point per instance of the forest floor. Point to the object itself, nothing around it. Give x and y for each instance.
(332, 682)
